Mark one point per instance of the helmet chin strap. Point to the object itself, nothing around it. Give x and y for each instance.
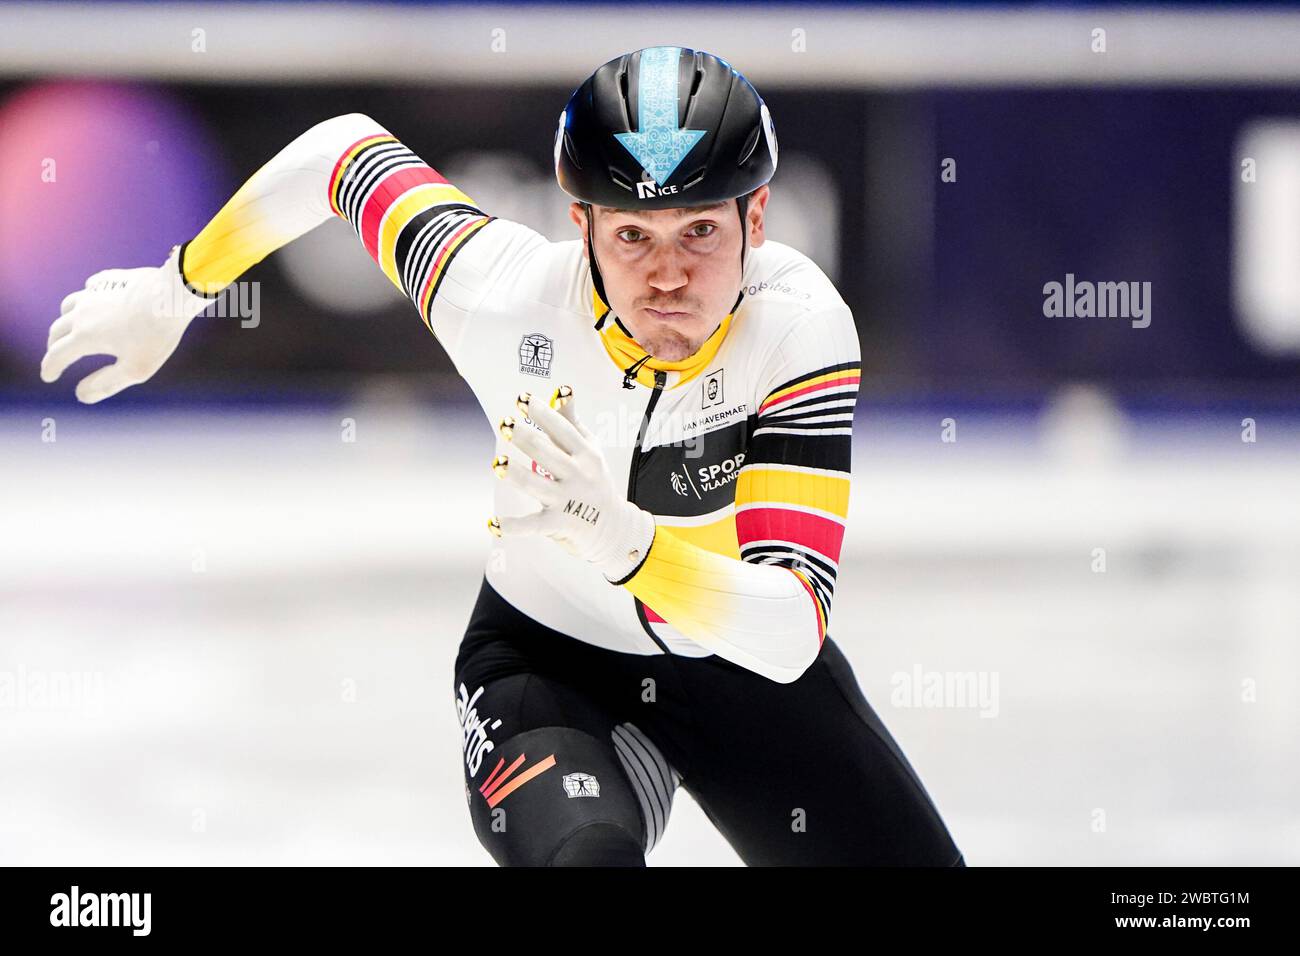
(742, 207)
(596, 280)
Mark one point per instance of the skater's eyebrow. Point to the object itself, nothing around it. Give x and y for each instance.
(681, 211)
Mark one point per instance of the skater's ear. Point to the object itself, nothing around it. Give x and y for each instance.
(578, 213)
(755, 215)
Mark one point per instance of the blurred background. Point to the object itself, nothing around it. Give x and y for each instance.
(228, 617)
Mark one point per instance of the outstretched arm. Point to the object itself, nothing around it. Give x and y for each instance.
(283, 200)
(410, 220)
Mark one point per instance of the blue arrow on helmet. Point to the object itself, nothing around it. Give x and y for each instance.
(661, 128)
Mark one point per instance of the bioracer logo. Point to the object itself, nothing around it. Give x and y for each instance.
(535, 352)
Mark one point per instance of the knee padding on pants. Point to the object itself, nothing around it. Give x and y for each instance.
(600, 844)
(575, 805)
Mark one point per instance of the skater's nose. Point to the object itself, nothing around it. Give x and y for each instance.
(667, 269)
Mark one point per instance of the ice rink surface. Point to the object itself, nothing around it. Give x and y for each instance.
(227, 637)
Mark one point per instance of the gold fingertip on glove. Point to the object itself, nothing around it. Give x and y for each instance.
(561, 396)
(507, 428)
(522, 400)
(499, 464)
(494, 526)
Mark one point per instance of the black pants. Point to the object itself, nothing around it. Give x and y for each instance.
(572, 754)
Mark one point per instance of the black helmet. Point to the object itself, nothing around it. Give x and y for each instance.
(660, 128)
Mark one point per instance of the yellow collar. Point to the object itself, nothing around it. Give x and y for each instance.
(625, 351)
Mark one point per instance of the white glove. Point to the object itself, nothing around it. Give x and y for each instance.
(135, 315)
(582, 508)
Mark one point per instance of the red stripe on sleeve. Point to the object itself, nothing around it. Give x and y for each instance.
(850, 379)
(388, 190)
(797, 527)
(448, 244)
(338, 166)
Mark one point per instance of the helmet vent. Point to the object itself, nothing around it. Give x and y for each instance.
(570, 148)
(624, 97)
(696, 177)
(748, 149)
(620, 180)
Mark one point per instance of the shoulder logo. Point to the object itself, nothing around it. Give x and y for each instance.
(711, 390)
(535, 353)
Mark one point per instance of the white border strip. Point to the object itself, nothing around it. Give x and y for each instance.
(844, 47)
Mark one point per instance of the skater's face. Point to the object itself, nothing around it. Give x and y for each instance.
(672, 274)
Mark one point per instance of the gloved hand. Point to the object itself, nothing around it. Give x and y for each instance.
(136, 315)
(582, 507)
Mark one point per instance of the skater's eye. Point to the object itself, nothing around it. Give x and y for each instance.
(631, 235)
